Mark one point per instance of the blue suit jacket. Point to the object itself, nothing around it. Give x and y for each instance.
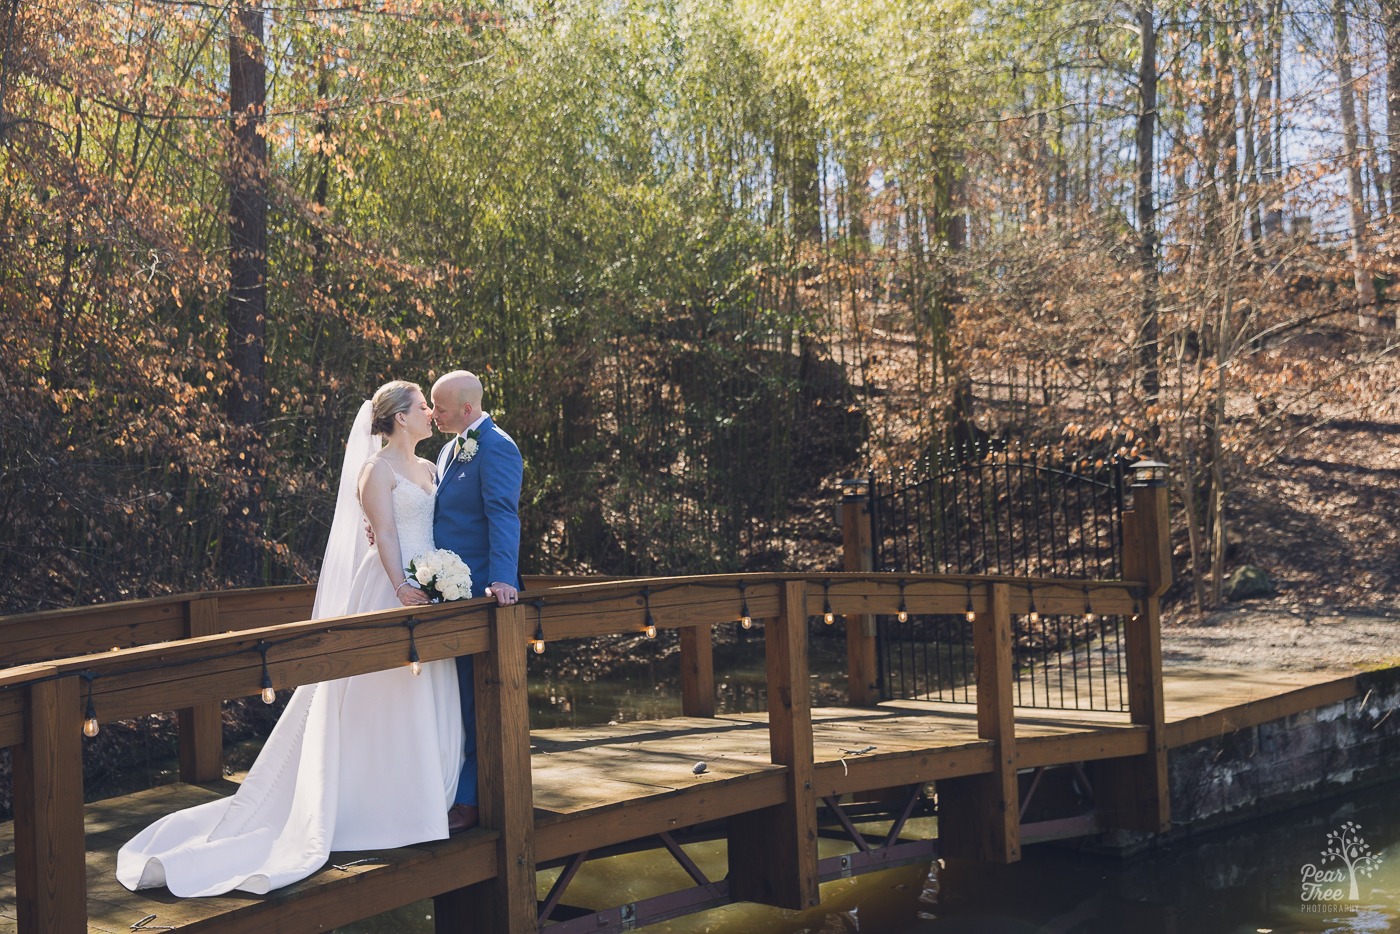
(476, 514)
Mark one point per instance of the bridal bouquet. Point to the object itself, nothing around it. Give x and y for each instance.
(441, 575)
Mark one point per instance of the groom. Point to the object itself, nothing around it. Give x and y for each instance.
(476, 516)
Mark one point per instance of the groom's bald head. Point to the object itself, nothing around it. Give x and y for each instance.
(456, 400)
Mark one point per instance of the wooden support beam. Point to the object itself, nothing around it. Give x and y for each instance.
(50, 868)
(773, 851)
(505, 904)
(201, 726)
(857, 534)
(1134, 793)
(697, 672)
(979, 815)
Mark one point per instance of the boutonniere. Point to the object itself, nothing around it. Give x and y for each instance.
(467, 445)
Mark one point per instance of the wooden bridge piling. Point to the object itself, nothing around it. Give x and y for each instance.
(1135, 791)
(858, 554)
(201, 727)
(504, 904)
(50, 869)
(978, 815)
(697, 671)
(773, 851)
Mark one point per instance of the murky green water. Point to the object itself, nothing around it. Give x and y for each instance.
(1247, 879)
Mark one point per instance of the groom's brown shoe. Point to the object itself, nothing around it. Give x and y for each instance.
(462, 817)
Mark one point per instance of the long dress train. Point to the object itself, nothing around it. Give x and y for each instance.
(366, 762)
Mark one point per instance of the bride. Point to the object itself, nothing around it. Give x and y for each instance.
(367, 762)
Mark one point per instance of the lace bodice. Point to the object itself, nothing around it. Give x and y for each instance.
(413, 514)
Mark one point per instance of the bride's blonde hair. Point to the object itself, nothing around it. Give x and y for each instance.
(389, 400)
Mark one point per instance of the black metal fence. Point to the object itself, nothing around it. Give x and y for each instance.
(1025, 513)
(1005, 512)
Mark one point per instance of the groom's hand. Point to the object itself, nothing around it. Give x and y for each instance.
(505, 594)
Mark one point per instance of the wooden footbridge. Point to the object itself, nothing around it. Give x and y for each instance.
(782, 786)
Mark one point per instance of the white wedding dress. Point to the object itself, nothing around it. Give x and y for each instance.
(367, 762)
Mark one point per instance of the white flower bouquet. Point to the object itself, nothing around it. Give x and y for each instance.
(441, 574)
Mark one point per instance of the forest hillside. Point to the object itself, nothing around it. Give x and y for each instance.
(709, 258)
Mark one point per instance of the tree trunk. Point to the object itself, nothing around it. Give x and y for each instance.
(804, 174)
(1365, 289)
(1148, 351)
(858, 201)
(1250, 174)
(1373, 165)
(1390, 20)
(950, 227)
(1265, 116)
(321, 195)
(247, 298)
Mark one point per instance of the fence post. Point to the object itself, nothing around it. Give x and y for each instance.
(50, 863)
(1136, 791)
(201, 727)
(773, 851)
(979, 815)
(505, 904)
(697, 671)
(857, 540)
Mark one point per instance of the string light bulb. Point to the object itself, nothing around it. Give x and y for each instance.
(650, 629)
(414, 664)
(828, 617)
(1034, 613)
(903, 616)
(1089, 616)
(971, 614)
(268, 694)
(745, 618)
(90, 727)
(537, 643)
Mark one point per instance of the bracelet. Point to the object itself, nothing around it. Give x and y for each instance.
(400, 587)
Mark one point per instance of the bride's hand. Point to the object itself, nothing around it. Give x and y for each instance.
(411, 596)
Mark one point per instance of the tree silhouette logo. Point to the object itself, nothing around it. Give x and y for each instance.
(1346, 858)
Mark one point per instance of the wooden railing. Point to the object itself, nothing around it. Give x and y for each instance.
(190, 653)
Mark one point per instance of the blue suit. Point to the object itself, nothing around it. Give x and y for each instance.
(477, 516)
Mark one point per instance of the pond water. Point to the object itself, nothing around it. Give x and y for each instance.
(1268, 876)
(1247, 879)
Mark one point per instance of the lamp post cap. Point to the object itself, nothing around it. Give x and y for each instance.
(855, 487)
(1149, 473)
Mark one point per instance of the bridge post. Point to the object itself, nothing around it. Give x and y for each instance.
(201, 727)
(50, 863)
(857, 540)
(773, 851)
(979, 815)
(697, 671)
(1135, 792)
(505, 904)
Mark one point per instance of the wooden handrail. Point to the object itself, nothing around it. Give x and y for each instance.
(570, 611)
(73, 631)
